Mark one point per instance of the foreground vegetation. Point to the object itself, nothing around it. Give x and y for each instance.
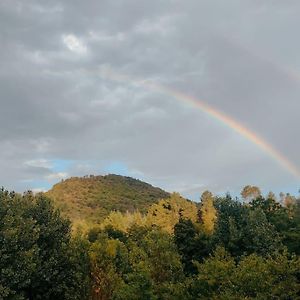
(220, 249)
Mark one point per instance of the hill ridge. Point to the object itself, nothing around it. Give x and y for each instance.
(92, 197)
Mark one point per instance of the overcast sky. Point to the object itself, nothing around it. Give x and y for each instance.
(62, 114)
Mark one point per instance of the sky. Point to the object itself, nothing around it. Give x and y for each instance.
(79, 96)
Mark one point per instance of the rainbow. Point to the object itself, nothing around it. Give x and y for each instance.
(212, 112)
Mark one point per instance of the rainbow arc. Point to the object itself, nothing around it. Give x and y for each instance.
(228, 121)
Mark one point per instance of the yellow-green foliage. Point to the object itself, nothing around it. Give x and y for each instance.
(167, 212)
(92, 198)
(104, 276)
(208, 212)
(125, 221)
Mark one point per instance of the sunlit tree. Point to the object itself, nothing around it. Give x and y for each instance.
(250, 192)
(207, 212)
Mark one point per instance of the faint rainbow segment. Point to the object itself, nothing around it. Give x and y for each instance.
(212, 112)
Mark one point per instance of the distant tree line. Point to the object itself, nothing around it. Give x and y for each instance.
(220, 248)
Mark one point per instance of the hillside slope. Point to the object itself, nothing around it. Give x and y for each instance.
(91, 198)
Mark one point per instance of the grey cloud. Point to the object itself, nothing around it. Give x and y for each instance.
(240, 57)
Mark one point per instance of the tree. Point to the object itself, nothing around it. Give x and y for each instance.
(259, 235)
(123, 222)
(291, 232)
(52, 265)
(284, 220)
(231, 220)
(244, 229)
(250, 192)
(79, 269)
(184, 237)
(273, 277)
(154, 258)
(275, 213)
(137, 285)
(37, 258)
(18, 246)
(167, 212)
(192, 243)
(105, 278)
(214, 275)
(207, 212)
(253, 277)
(289, 201)
(162, 257)
(271, 196)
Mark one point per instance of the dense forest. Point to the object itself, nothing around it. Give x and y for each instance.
(219, 248)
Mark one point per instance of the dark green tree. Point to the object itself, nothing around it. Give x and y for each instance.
(253, 277)
(38, 258)
(241, 229)
(18, 246)
(192, 244)
(286, 221)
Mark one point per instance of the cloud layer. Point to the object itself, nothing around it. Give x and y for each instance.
(61, 113)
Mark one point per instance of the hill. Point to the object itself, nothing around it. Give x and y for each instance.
(89, 199)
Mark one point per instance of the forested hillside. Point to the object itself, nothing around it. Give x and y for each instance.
(223, 248)
(89, 199)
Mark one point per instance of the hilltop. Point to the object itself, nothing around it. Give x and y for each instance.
(91, 198)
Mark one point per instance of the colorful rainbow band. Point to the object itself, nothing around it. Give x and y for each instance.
(211, 111)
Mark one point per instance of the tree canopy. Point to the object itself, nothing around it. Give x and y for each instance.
(220, 248)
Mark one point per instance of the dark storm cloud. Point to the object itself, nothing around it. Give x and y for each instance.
(56, 102)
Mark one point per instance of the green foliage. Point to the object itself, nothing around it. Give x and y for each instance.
(285, 220)
(192, 243)
(254, 277)
(249, 260)
(214, 275)
(162, 257)
(104, 274)
(37, 260)
(136, 286)
(259, 235)
(78, 279)
(146, 265)
(18, 246)
(184, 237)
(291, 234)
(225, 250)
(242, 230)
